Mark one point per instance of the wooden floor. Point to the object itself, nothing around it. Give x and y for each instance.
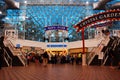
(59, 72)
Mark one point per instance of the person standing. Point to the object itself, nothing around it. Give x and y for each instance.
(2, 41)
(45, 58)
(1, 50)
(112, 58)
(72, 59)
(27, 59)
(1, 57)
(118, 57)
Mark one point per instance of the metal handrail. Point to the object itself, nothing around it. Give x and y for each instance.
(8, 58)
(105, 55)
(114, 44)
(14, 50)
(22, 57)
(93, 53)
(20, 54)
(96, 50)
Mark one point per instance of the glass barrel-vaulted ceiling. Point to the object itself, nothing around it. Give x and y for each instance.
(39, 16)
(65, 15)
(41, 13)
(52, 15)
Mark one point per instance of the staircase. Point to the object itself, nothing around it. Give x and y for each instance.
(92, 58)
(7, 59)
(112, 45)
(3, 62)
(18, 59)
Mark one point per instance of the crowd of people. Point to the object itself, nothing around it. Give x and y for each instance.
(46, 58)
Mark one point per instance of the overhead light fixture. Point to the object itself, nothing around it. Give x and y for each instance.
(95, 0)
(0, 12)
(87, 2)
(6, 18)
(25, 1)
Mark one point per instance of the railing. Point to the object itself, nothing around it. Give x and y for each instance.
(91, 55)
(105, 56)
(114, 44)
(19, 54)
(97, 50)
(7, 58)
(117, 42)
(48, 2)
(16, 52)
(22, 58)
(106, 53)
(94, 52)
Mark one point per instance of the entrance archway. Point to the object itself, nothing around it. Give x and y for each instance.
(107, 16)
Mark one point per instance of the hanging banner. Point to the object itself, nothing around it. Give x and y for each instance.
(56, 28)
